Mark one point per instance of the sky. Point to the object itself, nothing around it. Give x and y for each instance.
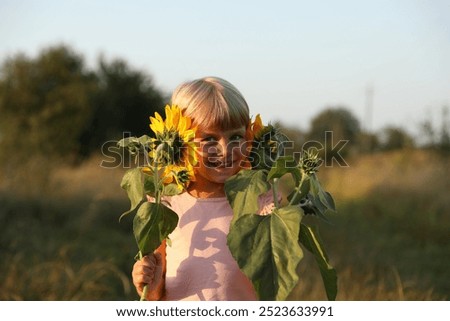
(387, 61)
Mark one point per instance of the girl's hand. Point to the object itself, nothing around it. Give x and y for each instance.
(149, 271)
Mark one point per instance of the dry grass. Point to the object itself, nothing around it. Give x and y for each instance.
(389, 239)
(61, 239)
(57, 279)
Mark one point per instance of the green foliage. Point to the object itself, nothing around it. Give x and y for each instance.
(395, 138)
(339, 120)
(267, 247)
(268, 145)
(342, 125)
(309, 238)
(123, 102)
(282, 166)
(132, 183)
(152, 224)
(437, 137)
(153, 221)
(267, 250)
(68, 110)
(243, 190)
(48, 98)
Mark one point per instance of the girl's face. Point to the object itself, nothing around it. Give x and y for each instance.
(220, 153)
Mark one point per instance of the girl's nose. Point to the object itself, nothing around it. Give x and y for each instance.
(222, 148)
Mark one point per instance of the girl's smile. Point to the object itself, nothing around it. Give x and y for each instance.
(220, 155)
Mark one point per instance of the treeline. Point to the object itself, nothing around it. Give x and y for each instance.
(55, 106)
(337, 132)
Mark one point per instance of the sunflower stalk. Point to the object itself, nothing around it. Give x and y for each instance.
(159, 151)
(168, 171)
(298, 190)
(275, 192)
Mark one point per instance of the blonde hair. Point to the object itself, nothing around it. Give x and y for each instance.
(212, 102)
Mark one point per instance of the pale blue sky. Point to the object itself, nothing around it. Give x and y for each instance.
(290, 59)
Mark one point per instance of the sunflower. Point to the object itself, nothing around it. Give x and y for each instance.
(180, 175)
(267, 144)
(174, 138)
(256, 127)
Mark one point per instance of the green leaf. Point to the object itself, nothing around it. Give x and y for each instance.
(149, 184)
(134, 144)
(243, 190)
(172, 189)
(132, 184)
(318, 192)
(152, 224)
(267, 250)
(282, 166)
(310, 239)
(330, 201)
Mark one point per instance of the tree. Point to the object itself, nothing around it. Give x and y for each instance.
(124, 101)
(434, 137)
(44, 102)
(54, 106)
(395, 138)
(334, 131)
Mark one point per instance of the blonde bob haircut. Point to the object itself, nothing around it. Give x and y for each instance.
(212, 102)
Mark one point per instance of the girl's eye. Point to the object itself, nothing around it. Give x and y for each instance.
(236, 137)
(209, 139)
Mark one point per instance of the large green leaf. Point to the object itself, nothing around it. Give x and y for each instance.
(282, 166)
(243, 190)
(152, 224)
(309, 237)
(267, 250)
(132, 184)
(149, 185)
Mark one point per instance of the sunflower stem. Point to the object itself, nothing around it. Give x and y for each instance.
(145, 290)
(298, 189)
(157, 201)
(275, 192)
(159, 149)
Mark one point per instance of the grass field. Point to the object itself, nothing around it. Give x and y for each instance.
(61, 240)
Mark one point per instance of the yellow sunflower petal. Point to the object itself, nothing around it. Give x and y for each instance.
(192, 154)
(176, 115)
(157, 123)
(147, 170)
(168, 175)
(175, 124)
(188, 135)
(257, 124)
(182, 125)
(169, 117)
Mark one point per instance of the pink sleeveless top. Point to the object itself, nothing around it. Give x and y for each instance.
(199, 263)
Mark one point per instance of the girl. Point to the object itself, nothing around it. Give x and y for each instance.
(198, 265)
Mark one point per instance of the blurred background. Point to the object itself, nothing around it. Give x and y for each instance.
(76, 76)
